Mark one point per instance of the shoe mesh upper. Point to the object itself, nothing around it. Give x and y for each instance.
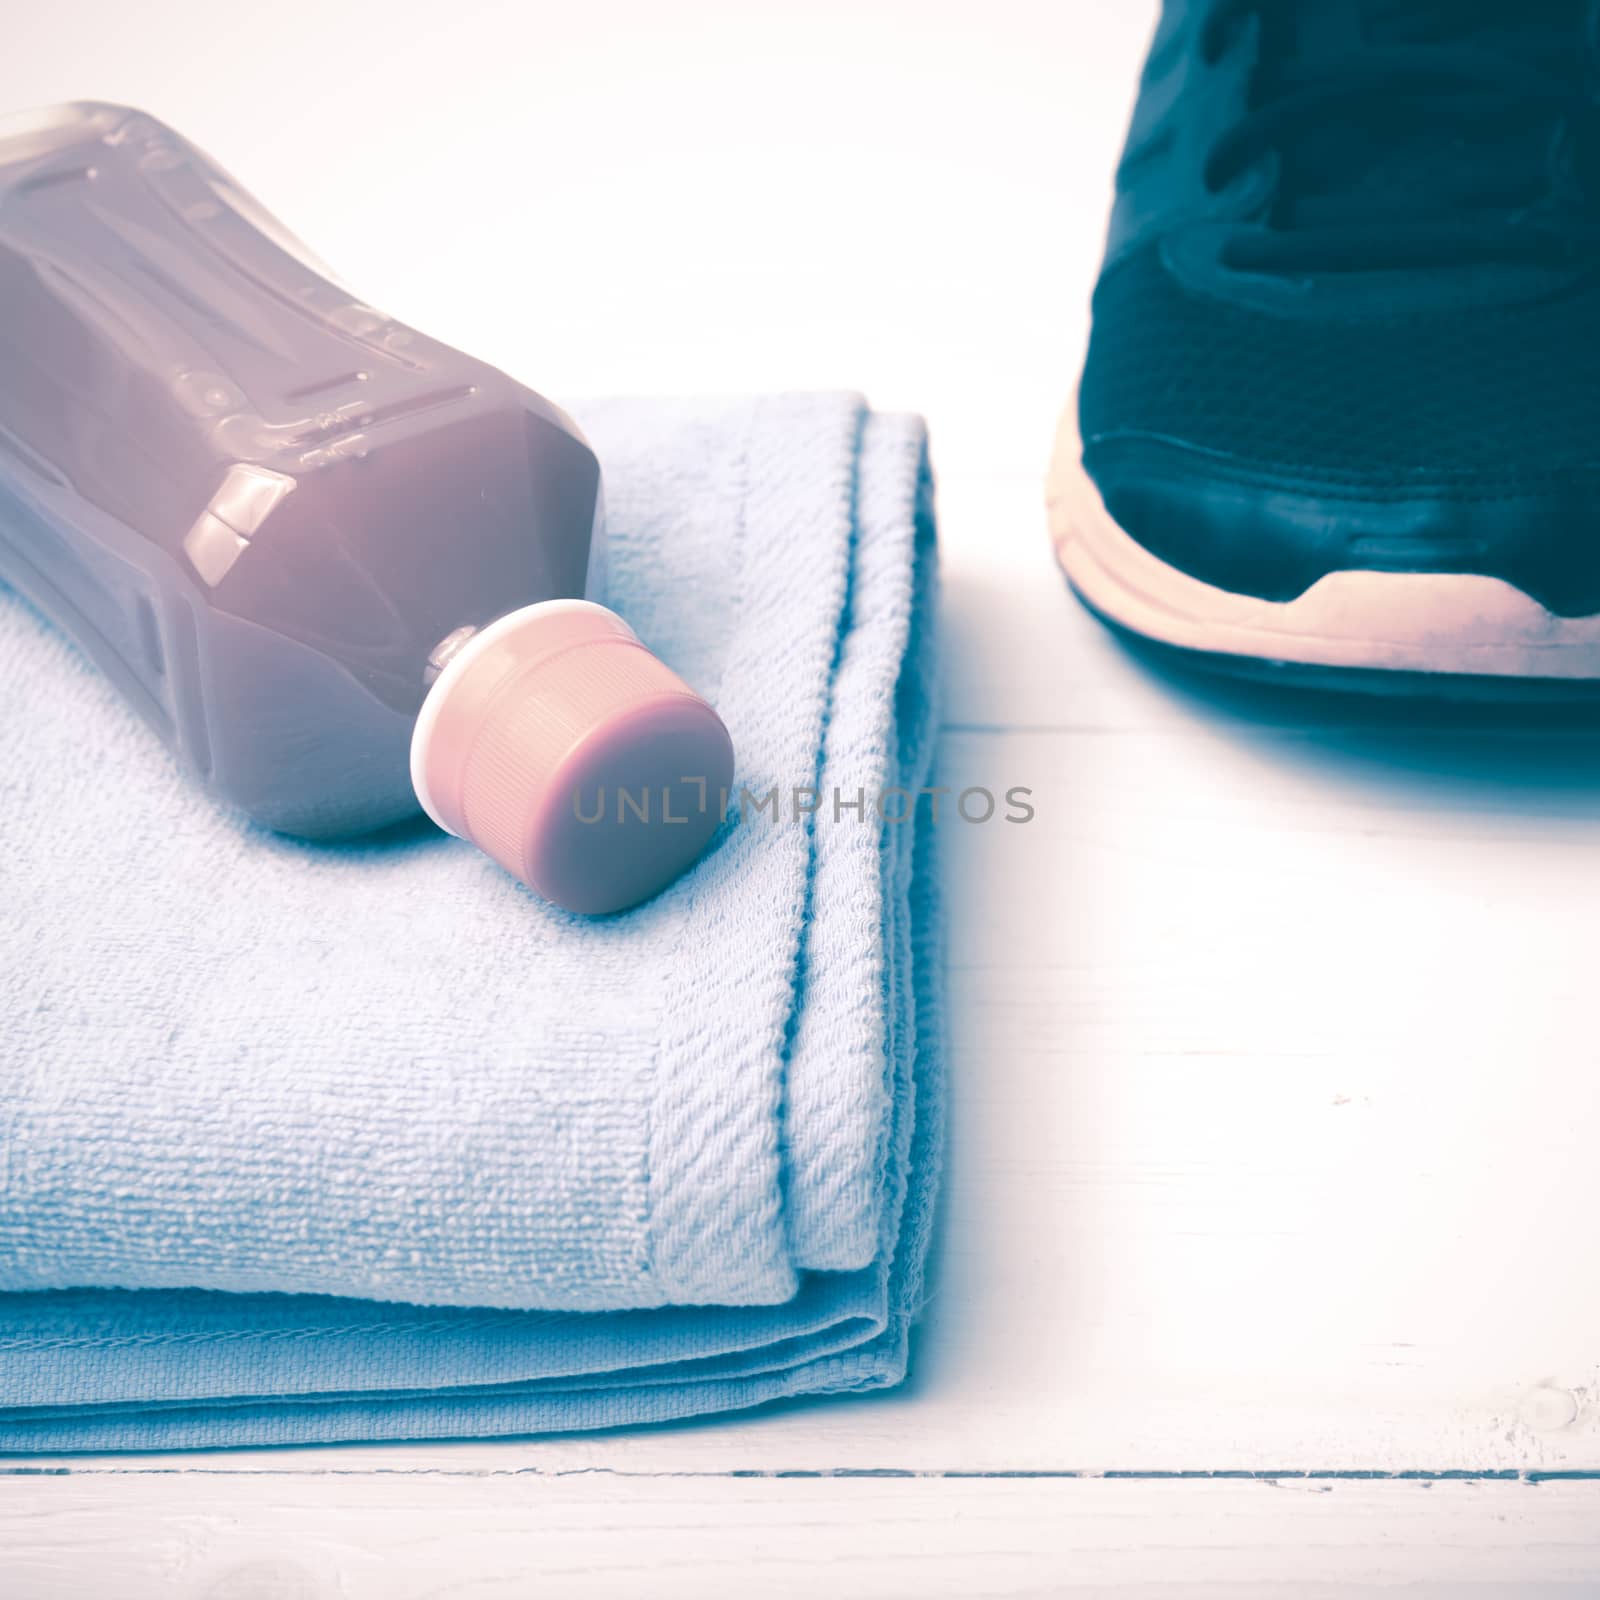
(1491, 399)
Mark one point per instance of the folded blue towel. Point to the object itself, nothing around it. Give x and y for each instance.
(304, 1143)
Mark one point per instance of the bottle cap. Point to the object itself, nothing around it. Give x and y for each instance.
(560, 746)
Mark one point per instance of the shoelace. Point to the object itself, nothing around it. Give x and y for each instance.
(1480, 68)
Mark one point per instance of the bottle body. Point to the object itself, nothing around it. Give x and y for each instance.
(259, 505)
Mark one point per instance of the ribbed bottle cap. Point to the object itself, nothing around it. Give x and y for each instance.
(560, 746)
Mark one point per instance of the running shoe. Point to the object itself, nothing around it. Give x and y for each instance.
(1340, 414)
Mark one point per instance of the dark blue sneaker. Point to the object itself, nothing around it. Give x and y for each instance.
(1340, 415)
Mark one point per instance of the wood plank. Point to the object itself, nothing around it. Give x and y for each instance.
(420, 1537)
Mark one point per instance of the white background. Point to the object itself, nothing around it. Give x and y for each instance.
(1275, 1101)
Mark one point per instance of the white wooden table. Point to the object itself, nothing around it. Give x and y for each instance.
(1269, 1262)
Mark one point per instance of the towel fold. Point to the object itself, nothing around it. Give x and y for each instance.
(302, 1143)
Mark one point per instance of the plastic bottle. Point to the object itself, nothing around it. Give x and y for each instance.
(336, 565)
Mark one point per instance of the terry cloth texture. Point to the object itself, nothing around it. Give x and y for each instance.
(306, 1143)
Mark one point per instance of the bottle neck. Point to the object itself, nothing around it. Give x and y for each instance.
(454, 674)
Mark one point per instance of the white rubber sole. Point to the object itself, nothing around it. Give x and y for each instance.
(1448, 624)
